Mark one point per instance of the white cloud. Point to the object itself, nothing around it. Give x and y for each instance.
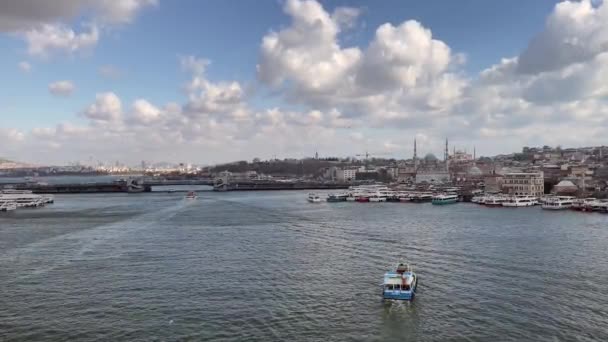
(404, 83)
(107, 108)
(144, 112)
(25, 66)
(575, 32)
(43, 24)
(50, 38)
(61, 88)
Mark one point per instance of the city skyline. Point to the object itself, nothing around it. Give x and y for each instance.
(219, 81)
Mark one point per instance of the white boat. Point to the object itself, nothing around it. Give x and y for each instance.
(376, 197)
(558, 203)
(8, 206)
(27, 200)
(191, 195)
(583, 204)
(493, 201)
(314, 198)
(520, 201)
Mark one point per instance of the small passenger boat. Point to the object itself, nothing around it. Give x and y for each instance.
(191, 195)
(314, 198)
(400, 283)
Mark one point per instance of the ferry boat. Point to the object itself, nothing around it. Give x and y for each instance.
(520, 201)
(583, 204)
(337, 197)
(378, 196)
(8, 206)
(405, 197)
(191, 195)
(400, 283)
(598, 205)
(314, 198)
(558, 203)
(444, 199)
(23, 200)
(421, 198)
(493, 201)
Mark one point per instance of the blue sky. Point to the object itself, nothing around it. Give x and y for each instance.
(144, 44)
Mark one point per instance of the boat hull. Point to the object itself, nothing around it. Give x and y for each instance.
(444, 202)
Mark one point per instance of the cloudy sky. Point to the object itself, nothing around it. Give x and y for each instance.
(213, 81)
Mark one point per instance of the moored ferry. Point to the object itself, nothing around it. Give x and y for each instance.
(493, 201)
(583, 204)
(400, 283)
(444, 199)
(558, 203)
(8, 206)
(421, 197)
(520, 201)
(337, 197)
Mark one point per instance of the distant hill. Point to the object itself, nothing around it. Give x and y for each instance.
(9, 164)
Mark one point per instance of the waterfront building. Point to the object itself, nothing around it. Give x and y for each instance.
(432, 176)
(523, 183)
(346, 175)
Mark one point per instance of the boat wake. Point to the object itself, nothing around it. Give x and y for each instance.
(100, 242)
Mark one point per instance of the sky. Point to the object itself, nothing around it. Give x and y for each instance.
(216, 81)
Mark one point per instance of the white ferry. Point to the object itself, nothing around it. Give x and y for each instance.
(520, 201)
(444, 199)
(27, 200)
(400, 283)
(583, 204)
(8, 206)
(314, 198)
(558, 203)
(493, 201)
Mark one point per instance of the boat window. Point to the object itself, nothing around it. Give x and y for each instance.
(397, 287)
(389, 287)
(406, 287)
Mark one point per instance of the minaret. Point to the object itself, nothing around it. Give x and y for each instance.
(474, 154)
(415, 156)
(446, 157)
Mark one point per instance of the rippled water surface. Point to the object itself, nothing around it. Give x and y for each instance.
(270, 266)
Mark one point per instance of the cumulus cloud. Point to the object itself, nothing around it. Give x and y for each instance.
(42, 24)
(61, 88)
(403, 83)
(107, 108)
(50, 38)
(403, 71)
(144, 112)
(575, 32)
